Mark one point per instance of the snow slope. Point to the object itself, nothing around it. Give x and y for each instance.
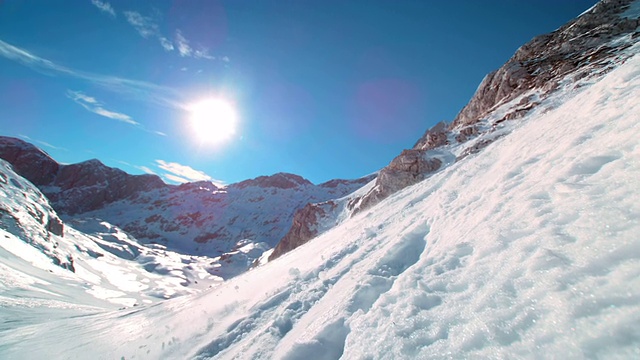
(49, 271)
(528, 249)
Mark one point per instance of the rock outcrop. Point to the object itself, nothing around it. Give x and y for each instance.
(315, 218)
(547, 59)
(336, 183)
(433, 138)
(410, 167)
(303, 228)
(28, 161)
(55, 226)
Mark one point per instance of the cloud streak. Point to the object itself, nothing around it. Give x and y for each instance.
(43, 143)
(186, 50)
(183, 45)
(148, 27)
(96, 107)
(144, 25)
(105, 7)
(182, 173)
(143, 90)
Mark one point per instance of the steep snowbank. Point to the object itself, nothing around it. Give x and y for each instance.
(526, 249)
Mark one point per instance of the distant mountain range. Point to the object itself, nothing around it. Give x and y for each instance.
(193, 219)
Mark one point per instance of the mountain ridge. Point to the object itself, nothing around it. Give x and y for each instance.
(198, 218)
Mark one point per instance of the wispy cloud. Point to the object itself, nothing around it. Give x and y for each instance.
(105, 7)
(186, 50)
(175, 178)
(46, 144)
(96, 107)
(166, 43)
(148, 27)
(144, 25)
(141, 89)
(43, 143)
(182, 173)
(183, 45)
(146, 170)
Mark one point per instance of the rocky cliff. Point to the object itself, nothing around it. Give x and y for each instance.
(576, 49)
(315, 218)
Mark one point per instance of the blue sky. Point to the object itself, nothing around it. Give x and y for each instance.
(324, 89)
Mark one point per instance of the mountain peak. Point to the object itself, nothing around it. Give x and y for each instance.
(279, 180)
(28, 160)
(92, 162)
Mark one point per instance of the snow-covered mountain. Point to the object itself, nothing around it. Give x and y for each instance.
(510, 233)
(194, 218)
(49, 267)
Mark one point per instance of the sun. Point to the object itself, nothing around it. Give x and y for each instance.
(213, 120)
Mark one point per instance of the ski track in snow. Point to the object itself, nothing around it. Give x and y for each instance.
(528, 249)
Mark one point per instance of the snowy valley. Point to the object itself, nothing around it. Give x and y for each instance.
(510, 233)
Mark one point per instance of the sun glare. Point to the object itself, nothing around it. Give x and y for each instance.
(213, 120)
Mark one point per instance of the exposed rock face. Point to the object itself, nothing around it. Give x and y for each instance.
(304, 227)
(433, 138)
(465, 133)
(55, 226)
(410, 167)
(28, 161)
(90, 185)
(475, 148)
(546, 59)
(315, 218)
(341, 182)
